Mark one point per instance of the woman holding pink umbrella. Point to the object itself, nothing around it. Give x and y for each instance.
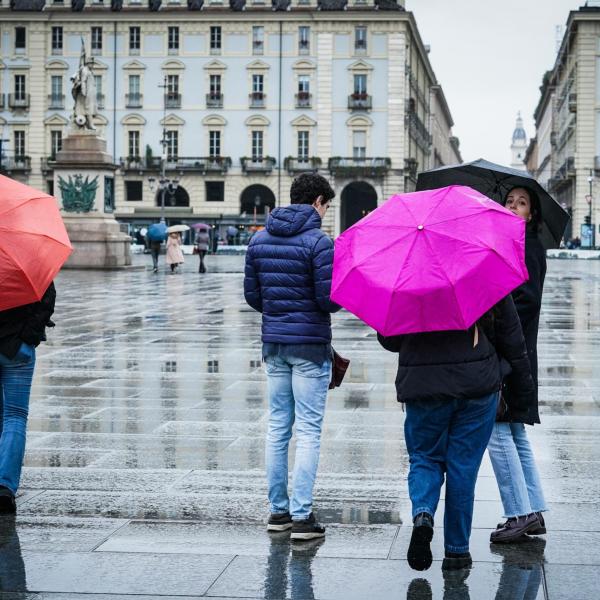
(509, 449)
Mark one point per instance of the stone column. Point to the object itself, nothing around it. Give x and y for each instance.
(84, 183)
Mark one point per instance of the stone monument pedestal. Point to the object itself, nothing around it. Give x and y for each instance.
(84, 184)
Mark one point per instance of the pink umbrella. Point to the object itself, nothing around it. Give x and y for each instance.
(429, 261)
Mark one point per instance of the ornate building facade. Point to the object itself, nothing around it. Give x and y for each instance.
(518, 147)
(565, 152)
(233, 100)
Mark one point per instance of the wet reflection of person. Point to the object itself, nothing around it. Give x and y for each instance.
(276, 574)
(12, 567)
(297, 573)
(521, 569)
(300, 573)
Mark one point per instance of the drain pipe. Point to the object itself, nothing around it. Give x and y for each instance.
(115, 92)
(279, 114)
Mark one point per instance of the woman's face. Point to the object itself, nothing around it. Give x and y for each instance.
(519, 203)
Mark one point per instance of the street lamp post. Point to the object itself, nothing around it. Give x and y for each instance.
(590, 200)
(165, 185)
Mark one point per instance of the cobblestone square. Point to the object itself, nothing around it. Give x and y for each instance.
(144, 467)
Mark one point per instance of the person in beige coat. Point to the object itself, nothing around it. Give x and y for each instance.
(174, 253)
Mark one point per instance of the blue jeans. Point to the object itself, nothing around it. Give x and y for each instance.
(297, 392)
(514, 466)
(15, 386)
(448, 437)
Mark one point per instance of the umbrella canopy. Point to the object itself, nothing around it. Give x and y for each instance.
(200, 226)
(33, 243)
(157, 232)
(429, 261)
(495, 181)
(177, 228)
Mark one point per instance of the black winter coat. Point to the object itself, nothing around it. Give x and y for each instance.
(528, 301)
(26, 323)
(448, 365)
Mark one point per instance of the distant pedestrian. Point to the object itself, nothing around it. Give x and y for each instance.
(174, 253)
(215, 240)
(288, 279)
(202, 246)
(449, 382)
(21, 330)
(232, 233)
(509, 449)
(155, 247)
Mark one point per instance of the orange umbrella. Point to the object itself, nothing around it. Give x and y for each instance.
(33, 243)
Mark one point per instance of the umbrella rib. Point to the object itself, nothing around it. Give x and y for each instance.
(45, 235)
(462, 217)
(398, 277)
(16, 262)
(4, 213)
(434, 252)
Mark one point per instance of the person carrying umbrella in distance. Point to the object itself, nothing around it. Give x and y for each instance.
(432, 272)
(157, 234)
(510, 452)
(33, 246)
(202, 242)
(174, 252)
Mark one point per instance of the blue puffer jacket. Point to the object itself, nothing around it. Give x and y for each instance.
(288, 277)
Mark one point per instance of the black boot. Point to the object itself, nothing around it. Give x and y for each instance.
(419, 551)
(456, 560)
(8, 506)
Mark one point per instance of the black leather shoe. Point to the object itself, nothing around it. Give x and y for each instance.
(515, 528)
(419, 555)
(8, 506)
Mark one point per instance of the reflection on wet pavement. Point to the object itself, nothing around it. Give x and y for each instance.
(144, 466)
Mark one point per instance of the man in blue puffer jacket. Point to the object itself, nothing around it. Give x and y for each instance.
(288, 280)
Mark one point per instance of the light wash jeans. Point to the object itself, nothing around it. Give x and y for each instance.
(448, 437)
(15, 386)
(514, 466)
(297, 392)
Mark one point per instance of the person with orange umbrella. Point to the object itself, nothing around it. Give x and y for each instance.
(33, 247)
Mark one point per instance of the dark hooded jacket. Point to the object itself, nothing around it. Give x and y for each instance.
(26, 324)
(288, 277)
(528, 301)
(448, 365)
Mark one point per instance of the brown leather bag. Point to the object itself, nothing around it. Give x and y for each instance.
(339, 366)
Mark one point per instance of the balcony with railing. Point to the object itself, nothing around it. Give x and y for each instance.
(257, 99)
(304, 47)
(214, 100)
(359, 167)
(418, 131)
(10, 164)
(258, 164)
(134, 100)
(195, 164)
(257, 47)
(359, 101)
(172, 100)
(302, 164)
(16, 101)
(56, 101)
(303, 100)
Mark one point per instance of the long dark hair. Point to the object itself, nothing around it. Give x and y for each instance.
(535, 225)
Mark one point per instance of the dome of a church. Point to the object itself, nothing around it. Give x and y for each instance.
(519, 133)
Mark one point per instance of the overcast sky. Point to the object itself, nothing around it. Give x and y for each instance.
(490, 56)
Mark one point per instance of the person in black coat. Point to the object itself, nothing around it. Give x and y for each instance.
(21, 331)
(509, 449)
(449, 382)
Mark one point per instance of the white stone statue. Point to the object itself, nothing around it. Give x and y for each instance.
(84, 93)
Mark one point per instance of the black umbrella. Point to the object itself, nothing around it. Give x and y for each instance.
(495, 181)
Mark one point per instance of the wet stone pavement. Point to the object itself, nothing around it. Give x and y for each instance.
(144, 468)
